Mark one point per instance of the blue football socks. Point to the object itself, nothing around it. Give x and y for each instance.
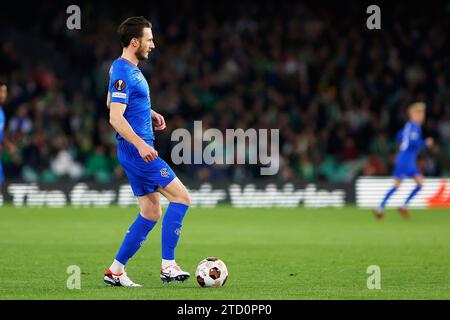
(134, 238)
(413, 194)
(387, 196)
(171, 228)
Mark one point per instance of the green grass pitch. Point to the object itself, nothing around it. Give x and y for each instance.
(293, 253)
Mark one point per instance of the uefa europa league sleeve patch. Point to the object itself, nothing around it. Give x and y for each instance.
(119, 85)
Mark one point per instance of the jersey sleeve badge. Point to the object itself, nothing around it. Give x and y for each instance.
(120, 85)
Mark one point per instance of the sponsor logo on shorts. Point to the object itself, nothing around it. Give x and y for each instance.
(164, 173)
(178, 231)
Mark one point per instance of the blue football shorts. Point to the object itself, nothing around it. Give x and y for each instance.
(144, 177)
(403, 170)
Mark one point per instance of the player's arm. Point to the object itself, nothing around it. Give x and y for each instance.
(108, 99)
(420, 142)
(121, 125)
(159, 119)
(415, 140)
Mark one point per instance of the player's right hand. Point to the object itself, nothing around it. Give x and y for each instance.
(429, 142)
(147, 153)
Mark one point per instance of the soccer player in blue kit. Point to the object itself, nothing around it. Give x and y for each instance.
(411, 142)
(131, 116)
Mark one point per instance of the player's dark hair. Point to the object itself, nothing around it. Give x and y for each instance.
(132, 28)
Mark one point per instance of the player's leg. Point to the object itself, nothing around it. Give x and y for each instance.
(179, 199)
(379, 211)
(419, 183)
(150, 212)
(418, 178)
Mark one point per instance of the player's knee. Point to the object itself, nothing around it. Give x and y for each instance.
(419, 182)
(151, 212)
(184, 198)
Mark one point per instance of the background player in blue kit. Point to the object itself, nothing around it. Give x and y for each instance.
(131, 116)
(3, 96)
(411, 142)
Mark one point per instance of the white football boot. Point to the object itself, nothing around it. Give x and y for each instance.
(173, 273)
(118, 280)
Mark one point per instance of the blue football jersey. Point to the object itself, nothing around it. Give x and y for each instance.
(128, 85)
(411, 142)
(2, 123)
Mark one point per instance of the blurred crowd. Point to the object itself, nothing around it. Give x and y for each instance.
(337, 91)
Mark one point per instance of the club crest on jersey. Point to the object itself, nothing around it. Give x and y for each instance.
(164, 173)
(119, 85)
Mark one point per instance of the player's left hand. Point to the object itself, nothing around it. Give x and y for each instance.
(429, 142)
(159, 119)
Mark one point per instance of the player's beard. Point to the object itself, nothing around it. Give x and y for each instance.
(141, 54)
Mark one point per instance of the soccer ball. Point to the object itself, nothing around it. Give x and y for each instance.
(211, 272)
